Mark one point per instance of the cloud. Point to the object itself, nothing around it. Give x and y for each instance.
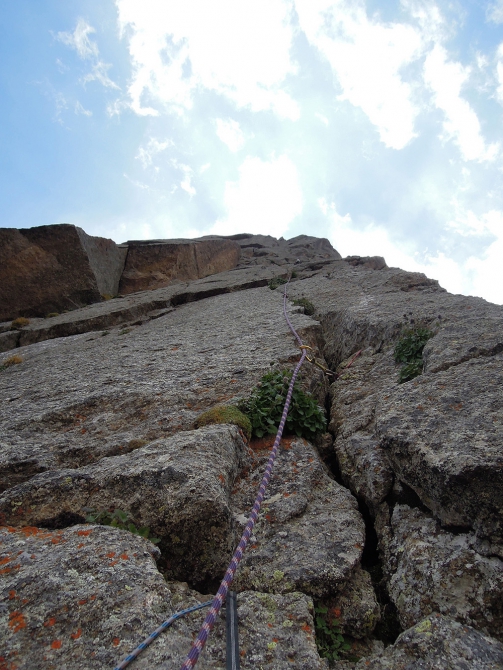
(153, 147)
(229, 131)
(240, 50)
(87, 50)
(79, 109)
(446, 79)
(495, 12)
(499, 72)
(474, 276)
(266, 198)
(187, 172)
(367, 57)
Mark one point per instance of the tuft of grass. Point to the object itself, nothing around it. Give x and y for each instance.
(329, 639)
(308, 306)
(225, 414)
(18, 323)
(265, 405)
(12, 360)
(119, 519)
(275, 282)
(124, 331)
(107, 296)
(409, 351)
(51, 314)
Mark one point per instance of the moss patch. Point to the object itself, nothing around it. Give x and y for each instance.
(225, 414)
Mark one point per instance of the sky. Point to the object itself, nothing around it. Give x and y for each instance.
(376, 124)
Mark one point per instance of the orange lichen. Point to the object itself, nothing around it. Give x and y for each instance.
(12, 595)
(125, 557)
(56, 644)
(84, 532)
(116, 641)
(50, 622)
(17, 621)
(75, 636)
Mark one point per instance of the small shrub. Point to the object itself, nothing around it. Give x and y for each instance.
(409, 350)
(265, 405)
(125, 331)
(119, 519)
(308, 306)
(275, 282)
(51, 314)
(225, 414)
(329, 639)
(20, 322)
(107, 296)
(12, 360)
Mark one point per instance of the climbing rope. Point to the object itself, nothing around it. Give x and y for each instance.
(219, 599)
(157, 632)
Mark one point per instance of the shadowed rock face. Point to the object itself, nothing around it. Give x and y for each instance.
(156, 263)
(54, 268)
(100, 413)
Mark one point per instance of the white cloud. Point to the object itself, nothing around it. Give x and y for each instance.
(475, 276)
(495, 11)
(367, 57)
(187, 172)
(265, 199)
(146, 153)
(499, 72)
(229, 131)
(446, 79)
(79, 109)
(80, 41)
(238, 49)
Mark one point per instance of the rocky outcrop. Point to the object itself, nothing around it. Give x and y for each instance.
(393, 516)
(153, 264)
(55, 268)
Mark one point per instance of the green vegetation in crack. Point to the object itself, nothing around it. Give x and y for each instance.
(329, 639)
(275, 282)
(265, 405)
(409, 351)
(308, 306)
(119, 519)
(225, 414)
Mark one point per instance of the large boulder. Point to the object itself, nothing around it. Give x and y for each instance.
(153, 264)
(55, 268)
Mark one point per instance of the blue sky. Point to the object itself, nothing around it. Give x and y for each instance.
(375, 124)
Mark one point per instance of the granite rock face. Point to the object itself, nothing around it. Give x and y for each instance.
(86, 596)
(153, 264)
(55, 268)
(100, 414)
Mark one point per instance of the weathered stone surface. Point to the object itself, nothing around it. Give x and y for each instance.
(438, 643)
(358, 610)
(161, 486)
(85, 597)
(54, 268)
(432, 570)
(155, 263)
(310, 535)
(136, 308)
(77, 399)
(443, 436)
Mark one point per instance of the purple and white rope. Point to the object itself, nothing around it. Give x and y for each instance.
(218, 601)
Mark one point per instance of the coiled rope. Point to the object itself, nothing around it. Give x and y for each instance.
(209, 622)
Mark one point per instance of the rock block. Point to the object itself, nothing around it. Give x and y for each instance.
(438, 643)
(156, 263)
(179, 487)
(432, 570)
(54, 268)
(310, 535)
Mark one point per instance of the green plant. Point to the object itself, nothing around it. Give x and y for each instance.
(264, 408)
(225, 414)
(124, 331)
(119, 519)
(409, 350)
(18, 323)
(308, 306)
(329, 638)
(275, 282)
(51, 314)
